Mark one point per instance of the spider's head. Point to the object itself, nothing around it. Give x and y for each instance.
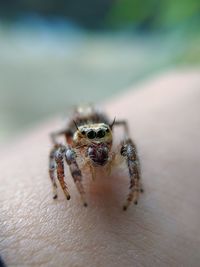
(98, 139)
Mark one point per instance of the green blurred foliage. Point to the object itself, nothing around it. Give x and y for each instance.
(179, 11)
(154, 13)
(129, 12)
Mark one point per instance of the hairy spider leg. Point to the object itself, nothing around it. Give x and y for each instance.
(70, 157)
(52, 168)
(129, 152)
(59, 157)
(125, 125)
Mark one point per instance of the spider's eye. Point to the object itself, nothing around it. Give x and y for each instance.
(101, 133)
(83, 132)
(91, 134)
(107, 130)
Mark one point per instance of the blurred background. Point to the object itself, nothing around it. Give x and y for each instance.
(56, 53)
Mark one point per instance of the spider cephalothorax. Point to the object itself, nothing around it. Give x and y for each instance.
(89, 133)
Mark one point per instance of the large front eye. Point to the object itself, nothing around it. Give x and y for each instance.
(91, 134)
(101, 133)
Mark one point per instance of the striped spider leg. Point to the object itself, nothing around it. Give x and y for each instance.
(56, 167)
(129, 152)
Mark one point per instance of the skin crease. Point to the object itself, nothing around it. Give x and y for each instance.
(162, 230)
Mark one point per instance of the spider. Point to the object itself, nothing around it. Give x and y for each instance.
(89, 135)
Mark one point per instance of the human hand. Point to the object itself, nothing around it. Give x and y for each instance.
(162, 230)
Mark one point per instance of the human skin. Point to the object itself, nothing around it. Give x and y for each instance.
(162, 230)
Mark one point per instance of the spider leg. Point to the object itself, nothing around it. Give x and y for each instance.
(70, 157)
(59, 158)
(125, 126)
(92, 172)
(52, 168)
(66, 132)
(129, 152)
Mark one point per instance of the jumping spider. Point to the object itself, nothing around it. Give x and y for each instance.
(89, 136)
